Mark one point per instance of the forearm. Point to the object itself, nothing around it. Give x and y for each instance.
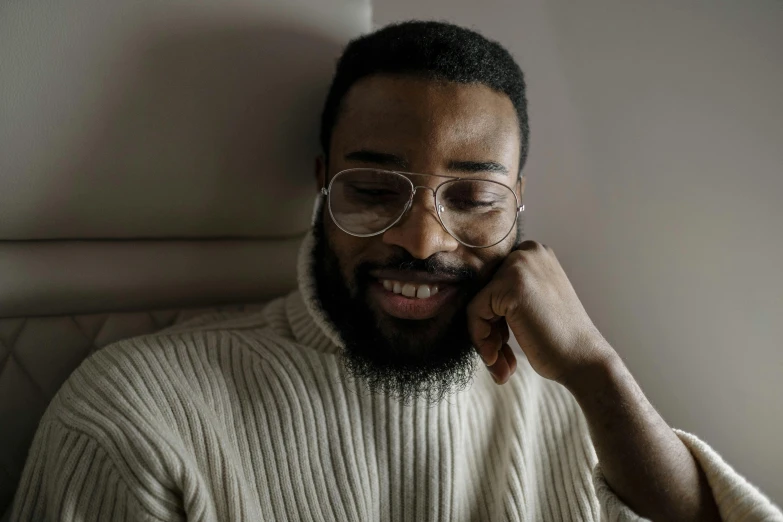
(642, 459)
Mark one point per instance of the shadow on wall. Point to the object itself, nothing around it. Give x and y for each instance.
(204, 130)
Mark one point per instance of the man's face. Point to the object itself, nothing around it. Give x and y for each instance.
(413, 346)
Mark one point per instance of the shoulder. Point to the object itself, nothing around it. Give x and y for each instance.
(179, 363)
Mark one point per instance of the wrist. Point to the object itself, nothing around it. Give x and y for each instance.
(597, 375)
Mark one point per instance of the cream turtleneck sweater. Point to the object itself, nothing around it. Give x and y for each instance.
(252, 417)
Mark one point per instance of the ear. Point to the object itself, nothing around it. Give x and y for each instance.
(521, 187)
(320, 171)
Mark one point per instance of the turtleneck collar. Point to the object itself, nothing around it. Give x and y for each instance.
(307, 289)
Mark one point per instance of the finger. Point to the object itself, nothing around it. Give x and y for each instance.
(511, 359)
(500, 371)
(482, 338)
(491, 345)
(482, 320)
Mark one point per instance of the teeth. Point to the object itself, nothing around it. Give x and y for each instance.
(423, 292)
(409, 289)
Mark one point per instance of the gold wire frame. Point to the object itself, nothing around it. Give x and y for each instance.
(325, 191)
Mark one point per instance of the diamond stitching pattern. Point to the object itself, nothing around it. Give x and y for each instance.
(90, 340)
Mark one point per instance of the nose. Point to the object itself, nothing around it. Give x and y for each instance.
(420, 231)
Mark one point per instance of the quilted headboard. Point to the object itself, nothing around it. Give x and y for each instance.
(156, 160)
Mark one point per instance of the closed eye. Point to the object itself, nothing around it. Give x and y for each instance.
(471, 204)
(375, 192)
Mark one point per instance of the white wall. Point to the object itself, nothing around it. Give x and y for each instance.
(656, 174)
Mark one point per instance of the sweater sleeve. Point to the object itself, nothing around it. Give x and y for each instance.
(69, 477)
(736, 498)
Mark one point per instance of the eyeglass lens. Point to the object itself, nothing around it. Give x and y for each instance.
(476, 212)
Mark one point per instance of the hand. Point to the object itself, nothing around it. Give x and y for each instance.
(531, 294)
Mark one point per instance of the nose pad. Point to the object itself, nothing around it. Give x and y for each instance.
(413, 197)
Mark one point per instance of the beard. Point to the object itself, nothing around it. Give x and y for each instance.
(405, 359)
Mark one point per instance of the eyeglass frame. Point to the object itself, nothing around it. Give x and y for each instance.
(326, 190)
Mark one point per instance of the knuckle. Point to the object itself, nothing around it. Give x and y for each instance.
(530, 248)
(529, 245)
(519, 268)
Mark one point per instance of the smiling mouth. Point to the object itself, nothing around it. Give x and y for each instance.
(409, 289)
(412, 300)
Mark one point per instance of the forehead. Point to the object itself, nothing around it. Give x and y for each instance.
(428, 122)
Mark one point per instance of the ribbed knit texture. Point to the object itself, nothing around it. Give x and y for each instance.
(252, 417)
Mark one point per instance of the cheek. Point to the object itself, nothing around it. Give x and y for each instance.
(492, 258)
(347, 250)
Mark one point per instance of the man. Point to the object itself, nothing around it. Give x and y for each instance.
(358, 397)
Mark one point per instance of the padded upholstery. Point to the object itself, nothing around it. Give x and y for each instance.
(69, 277)
(156, 159)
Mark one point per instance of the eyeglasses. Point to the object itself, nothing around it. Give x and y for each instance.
(479, 213)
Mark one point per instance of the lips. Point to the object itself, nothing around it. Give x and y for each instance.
(411, 300)
(413, 276)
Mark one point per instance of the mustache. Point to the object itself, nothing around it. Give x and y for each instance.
(433, 265)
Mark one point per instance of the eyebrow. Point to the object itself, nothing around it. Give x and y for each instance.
(492, 167)
(378, 158)
(393, 160)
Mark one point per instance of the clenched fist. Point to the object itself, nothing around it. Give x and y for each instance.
(531, 294)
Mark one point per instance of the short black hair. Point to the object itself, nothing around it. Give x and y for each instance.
(437, 50)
